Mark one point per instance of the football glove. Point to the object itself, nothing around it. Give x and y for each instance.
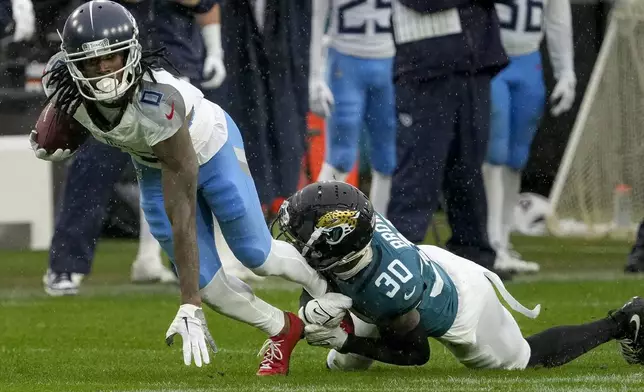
(321, 336)
(24, 19)
(214, 70)
(328, 310)
(190, 323)
(58, 155)
(563, 96)
(320, 96)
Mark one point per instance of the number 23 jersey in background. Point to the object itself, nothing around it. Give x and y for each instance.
(398, 279)
(361, 28)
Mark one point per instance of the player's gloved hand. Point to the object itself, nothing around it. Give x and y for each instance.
(328, 310)
(320, 96)
(214, 70)
(190, 323)
(321, 336)
(563, 96)
(24, 19)
(41, 153)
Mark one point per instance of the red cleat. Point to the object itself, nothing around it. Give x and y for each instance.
(277, 349)
(347, 324)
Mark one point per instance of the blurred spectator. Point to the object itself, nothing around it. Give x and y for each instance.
(267, 55)
(446, 55)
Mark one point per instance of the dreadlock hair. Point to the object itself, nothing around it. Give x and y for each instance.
(68, 98)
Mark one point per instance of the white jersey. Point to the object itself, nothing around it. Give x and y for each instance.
(361, 28)
(524, 23)
(156, 112)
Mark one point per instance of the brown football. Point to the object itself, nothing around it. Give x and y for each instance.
(57, 129)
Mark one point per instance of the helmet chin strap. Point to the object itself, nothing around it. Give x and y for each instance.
(365, 255)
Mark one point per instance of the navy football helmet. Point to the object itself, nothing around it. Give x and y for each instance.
(96, 29)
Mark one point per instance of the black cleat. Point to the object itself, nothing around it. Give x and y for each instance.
(631, 316)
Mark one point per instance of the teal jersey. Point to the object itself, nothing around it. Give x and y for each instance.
(400, 278)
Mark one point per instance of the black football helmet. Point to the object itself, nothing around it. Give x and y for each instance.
(95, 29)
(329, 222)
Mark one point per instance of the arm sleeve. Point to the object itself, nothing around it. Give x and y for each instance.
(319, 15)
(558, 29)
(410, 350)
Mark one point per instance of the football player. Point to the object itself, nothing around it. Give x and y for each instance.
(190, 162)
(400, 294)
(358, 91)
(518, 100)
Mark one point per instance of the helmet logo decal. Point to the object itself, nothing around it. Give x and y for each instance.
(96, 45)
(338, 224)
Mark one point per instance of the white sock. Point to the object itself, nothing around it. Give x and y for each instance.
(149, 249)
(330, 173)
(380, 192)
(233, 298)
(285, 261)
(493, 179)
(511, 189)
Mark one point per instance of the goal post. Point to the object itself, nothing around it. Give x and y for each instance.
(599, 187)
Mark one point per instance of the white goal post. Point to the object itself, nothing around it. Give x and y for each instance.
(599, 188)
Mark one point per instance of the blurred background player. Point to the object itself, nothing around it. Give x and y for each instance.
(518, 100)
(266, 90)
(447, 53)
(17, 19)
(360, 89)
(97, 167)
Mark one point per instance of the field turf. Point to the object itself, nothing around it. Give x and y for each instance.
(111, 336)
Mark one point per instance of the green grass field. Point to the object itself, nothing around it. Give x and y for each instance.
(111, 336)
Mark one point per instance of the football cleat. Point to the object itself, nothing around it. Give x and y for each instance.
(151, 271)
(59, 284)
(632, 342)
(277, 350)
(507, 262)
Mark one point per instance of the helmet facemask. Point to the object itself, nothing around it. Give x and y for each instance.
(106, 88)
(330, 231)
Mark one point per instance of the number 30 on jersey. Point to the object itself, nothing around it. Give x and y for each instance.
(397, 274)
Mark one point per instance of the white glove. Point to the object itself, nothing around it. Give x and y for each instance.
(320, 336)
(320, 96)
(213, 66)
(41, 153)
(190, 323)
(563, 96)
(24, 18)
(328, 310)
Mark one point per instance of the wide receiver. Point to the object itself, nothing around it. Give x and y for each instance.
(400, 294)
(190, 163)
(357, 90)
(518, 100)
